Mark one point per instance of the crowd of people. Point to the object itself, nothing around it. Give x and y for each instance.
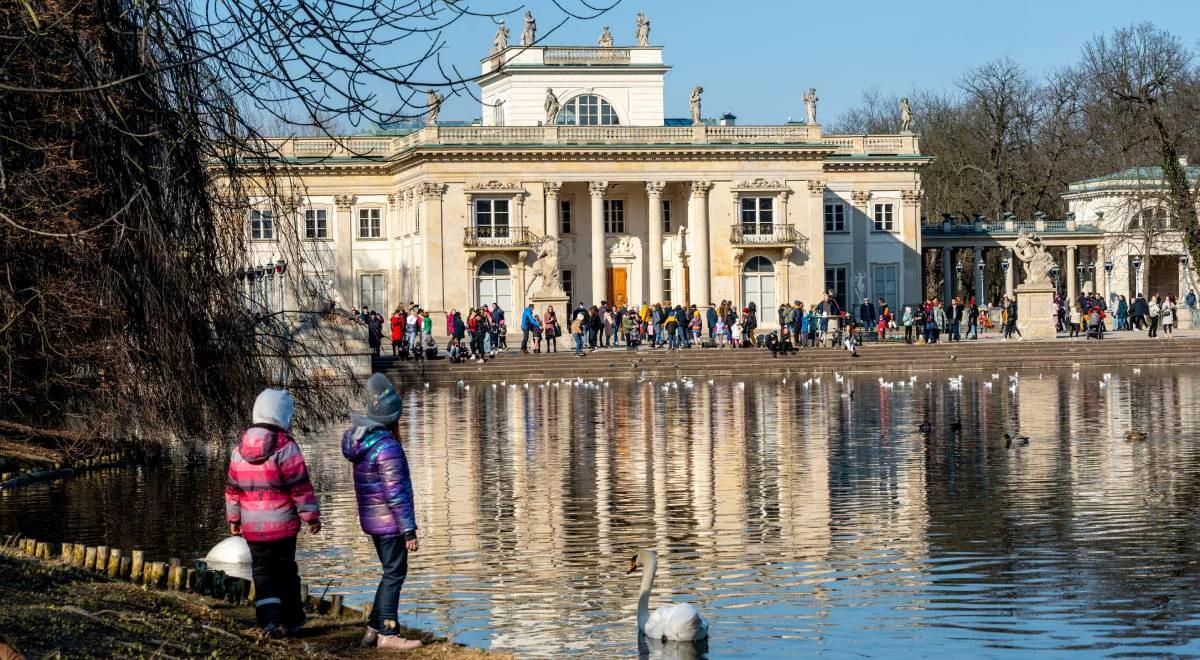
(479, 334)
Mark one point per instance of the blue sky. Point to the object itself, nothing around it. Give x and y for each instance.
(755, 57)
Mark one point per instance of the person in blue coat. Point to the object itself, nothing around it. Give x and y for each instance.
(529, 321)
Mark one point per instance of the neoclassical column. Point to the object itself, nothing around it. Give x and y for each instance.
(343, 245)
(597, 189)
(552, 189)
(980, 288)
(698, 228)
(654, 191)
(432, 286)
(1072, 274)
(947, 273)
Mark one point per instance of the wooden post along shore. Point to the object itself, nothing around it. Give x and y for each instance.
(172, 575)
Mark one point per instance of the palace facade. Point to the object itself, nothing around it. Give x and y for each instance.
(574, 146)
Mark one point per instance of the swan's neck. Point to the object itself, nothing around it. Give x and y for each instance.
(648, 572)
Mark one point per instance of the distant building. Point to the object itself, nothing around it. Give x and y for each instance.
(646, 208)
(1142, 239)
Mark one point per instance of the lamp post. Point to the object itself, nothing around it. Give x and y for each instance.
(1112, 295)
(1091, 275)
(959, 279)
(1137, 274)
(1054, 273)
(980, 293)
(280, 269)
(1079, 278)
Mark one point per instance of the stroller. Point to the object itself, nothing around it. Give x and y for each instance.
(1095, 324)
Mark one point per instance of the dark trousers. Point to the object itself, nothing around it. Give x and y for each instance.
(524, 340)
(908, 334)
(394, 556)
(276, 582)
(954, 332)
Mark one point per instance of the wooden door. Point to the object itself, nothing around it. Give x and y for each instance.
(617, 282)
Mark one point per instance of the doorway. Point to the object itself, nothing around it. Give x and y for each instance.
(617, 286)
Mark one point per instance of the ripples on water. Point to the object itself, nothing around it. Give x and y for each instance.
(800, 520)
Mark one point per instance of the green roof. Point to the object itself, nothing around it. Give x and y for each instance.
(1137, 174)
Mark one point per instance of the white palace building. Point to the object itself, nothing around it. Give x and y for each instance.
(574, 149)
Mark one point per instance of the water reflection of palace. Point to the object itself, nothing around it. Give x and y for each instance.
(531, 500)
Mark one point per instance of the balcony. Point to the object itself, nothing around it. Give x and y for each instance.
(499, 238)
(768, 236)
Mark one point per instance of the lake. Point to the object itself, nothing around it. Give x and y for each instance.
(801, 517)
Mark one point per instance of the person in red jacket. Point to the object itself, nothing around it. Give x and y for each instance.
(267, 495)
(397, 323)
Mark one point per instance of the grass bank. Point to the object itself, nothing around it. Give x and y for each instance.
(51, 609)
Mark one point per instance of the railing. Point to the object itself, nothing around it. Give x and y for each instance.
(625, 134)
(498, 237)
(565, 55)
(768, 235)
(490, 135)
(388, 146)
(1008, 227)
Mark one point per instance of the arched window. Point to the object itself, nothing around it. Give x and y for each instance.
(493, 284)
(758, 285)
(588, 110)
(1150, 219)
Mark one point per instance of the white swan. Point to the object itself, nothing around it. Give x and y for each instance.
(681, 622)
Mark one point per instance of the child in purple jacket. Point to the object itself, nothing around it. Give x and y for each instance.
(385, 503)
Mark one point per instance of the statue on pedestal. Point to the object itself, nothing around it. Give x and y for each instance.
(810, 104)
(433, 102)
(546, 269)
(500, 41)
(551, 107)
(1033, 255)
(606, 40)
(860, 286)
(643, 29)
(529, 35)
(905, 115)
(695, 102)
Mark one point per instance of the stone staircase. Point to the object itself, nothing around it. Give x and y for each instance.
(749, 364)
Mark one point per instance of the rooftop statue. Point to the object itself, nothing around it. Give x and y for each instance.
(433, 102)
(643, 29)
(1033, 255)
(530, 33)
(696, 92)
(606, 40)
(905, 115)
(810, 104)
(552, 107)
(500, 41)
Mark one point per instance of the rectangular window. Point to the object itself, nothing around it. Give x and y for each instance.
(614, 216)
(666, 285)
(370, 223)
(262, 225)
(666, 215)
(319, 285)
(835, 281)
(267, 292)
(316, 224)
(568, 285)
(371, 292)
(491, 218)
(835, 217)
(883, 218)
(886, 284)
(564, 216)
(758, 215)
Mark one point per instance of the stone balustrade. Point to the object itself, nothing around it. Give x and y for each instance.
(584, 55)
(382, 147)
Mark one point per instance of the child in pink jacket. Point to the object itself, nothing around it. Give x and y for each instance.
(267, 495)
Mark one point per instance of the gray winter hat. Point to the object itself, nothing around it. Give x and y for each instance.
(384, 404)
